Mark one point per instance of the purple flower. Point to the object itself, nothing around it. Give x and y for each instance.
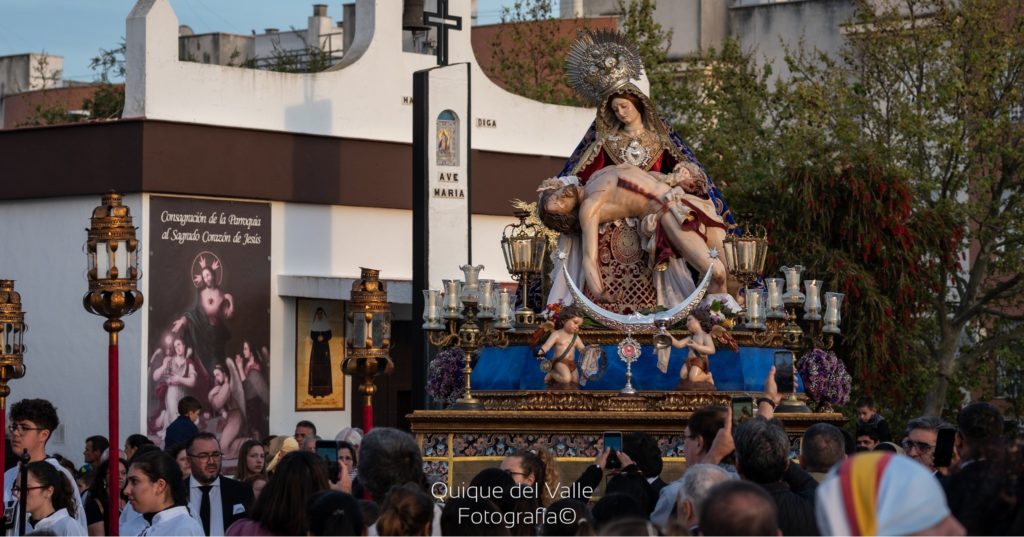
(445, 380)
(825, 378)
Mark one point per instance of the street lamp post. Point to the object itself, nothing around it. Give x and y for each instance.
(368, 337)
(12, 359)
(113, 273)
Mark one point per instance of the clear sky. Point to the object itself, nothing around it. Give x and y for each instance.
(78, 29)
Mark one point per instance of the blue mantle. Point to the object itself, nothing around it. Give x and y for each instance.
(515, 368)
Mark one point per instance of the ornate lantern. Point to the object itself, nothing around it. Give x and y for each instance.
(12, 352)
(368, 337)
(745, 254)
(113, 274)
(523, 245)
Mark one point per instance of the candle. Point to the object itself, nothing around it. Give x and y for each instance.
(793, 293)
(775, 297)
(755, 315)
(833, 301)
(812, 306)
(504, 311)
(430, 306)
(486, 294)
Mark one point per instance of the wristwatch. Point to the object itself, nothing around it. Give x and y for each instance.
(766, 400)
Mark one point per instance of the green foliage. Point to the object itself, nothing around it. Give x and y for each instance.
(308, 60)
(639, 25)
(893, 172)
(110, 63)
(107, 102)
(528, 53)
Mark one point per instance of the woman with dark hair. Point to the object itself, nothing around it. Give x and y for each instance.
(50, 501)
(96, 502)
(279, 509)
(348, 456)
(406, 511)
(335, 513)
(252, 458)
(157, 491)
(133, 443)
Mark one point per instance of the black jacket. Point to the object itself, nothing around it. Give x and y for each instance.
(232, 493)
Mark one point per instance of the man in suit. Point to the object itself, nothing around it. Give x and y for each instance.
(214, 500)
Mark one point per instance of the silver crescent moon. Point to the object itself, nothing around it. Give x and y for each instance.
(636, 323)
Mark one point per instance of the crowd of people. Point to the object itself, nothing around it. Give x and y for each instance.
(741, 478)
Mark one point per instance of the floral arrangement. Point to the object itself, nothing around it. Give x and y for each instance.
(825, 378)
(445, 379)
(721, 315)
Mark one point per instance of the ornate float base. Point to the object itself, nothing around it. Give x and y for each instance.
(457, 444)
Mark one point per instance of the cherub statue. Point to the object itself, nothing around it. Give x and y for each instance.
(562, 374)
(695, 375)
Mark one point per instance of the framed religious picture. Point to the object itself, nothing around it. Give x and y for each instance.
(319, 351)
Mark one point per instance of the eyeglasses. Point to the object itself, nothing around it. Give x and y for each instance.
(922, 447)
(510, 472)
(21, 429)
(216, 455)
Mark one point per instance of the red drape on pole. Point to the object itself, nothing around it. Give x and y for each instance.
(367, 418)
(113, 452)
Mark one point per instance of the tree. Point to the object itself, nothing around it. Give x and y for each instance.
(895, 167)
(528, 53)
(940, 87)
(639, 25)
(108, 101)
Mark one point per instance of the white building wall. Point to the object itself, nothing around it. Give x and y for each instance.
(66, 357)
(365, 96)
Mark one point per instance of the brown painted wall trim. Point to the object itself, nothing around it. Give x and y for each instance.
(189, 159)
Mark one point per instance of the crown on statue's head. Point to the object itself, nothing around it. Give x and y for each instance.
(601, 62)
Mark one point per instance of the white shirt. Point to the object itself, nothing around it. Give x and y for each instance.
(60, 523)
(174, 521)
(195, 500)
(131, 521)
(11, 481)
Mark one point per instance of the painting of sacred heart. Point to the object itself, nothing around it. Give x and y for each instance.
(447, 139)
(319, 351)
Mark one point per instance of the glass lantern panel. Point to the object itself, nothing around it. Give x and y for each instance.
(381, 329)
(121, 260)
(539, 245)
(358, 330)
(102, 260)
(133, 261)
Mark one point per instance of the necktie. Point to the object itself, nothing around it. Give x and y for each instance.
(204, 508)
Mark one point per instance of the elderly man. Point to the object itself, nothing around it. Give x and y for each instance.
(922, 434)
(739, 508)
(697, 483)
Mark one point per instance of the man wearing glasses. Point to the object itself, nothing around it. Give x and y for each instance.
(32, 423)
(922, 434)
(214, 500)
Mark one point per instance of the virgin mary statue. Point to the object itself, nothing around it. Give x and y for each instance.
(628, 130)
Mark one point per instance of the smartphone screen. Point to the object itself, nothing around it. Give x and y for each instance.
(742, 408)
(944, 448)
(613, 440)
(327, 450)
(783, 361)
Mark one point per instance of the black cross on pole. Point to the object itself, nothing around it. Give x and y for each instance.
(443, 22)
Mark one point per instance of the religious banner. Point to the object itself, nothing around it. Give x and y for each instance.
(209, 316)
(319, 351)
